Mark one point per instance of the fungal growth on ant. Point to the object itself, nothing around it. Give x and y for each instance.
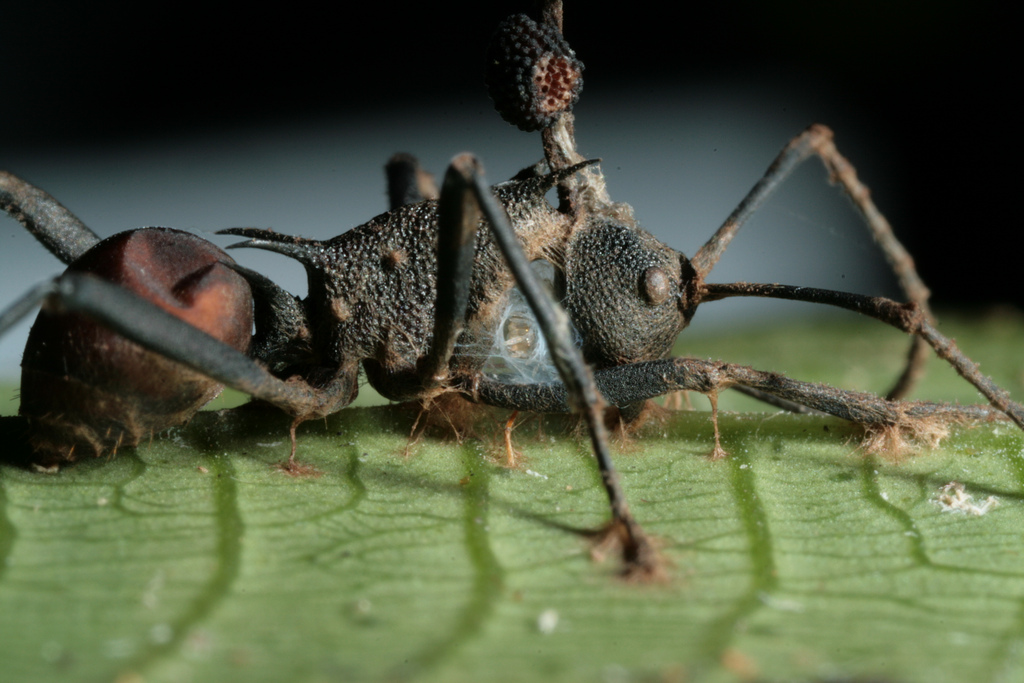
(532, 73)
(519, 352)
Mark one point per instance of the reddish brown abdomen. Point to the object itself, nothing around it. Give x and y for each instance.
(87, 390)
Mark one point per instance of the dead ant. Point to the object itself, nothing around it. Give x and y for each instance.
(409, 295)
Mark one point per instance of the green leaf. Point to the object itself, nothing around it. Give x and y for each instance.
(798, 558)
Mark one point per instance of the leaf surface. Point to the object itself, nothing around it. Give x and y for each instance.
(797, 558)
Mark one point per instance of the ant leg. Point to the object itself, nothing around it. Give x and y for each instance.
(582, 394)
(408, 183)
(511, 454)
(27, 303)
(817, 140)
(891, 420)
(627, 384)
(718, 452)
(780, 403)
(458, 220)
(54, 226)
(862, 408)
(908, 318)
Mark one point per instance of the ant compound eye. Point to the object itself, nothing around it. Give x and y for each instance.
(532, 73)
(655, 286)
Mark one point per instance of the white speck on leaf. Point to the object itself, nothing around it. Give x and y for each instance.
(547, 622)
(781, 604)
(953, 498)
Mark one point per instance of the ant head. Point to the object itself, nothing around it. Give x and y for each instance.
(627, 293)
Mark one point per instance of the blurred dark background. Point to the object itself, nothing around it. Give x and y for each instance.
(926, 87)
(929, 80)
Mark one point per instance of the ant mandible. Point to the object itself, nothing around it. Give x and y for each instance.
(404, 295)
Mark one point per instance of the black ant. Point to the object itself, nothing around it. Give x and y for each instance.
(408, 294)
